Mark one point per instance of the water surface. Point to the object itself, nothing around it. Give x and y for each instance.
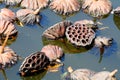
(29, 40)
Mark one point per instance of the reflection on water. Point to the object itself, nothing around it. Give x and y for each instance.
(116, 19)
(10, 40)
(66, 45)
(37, 76)
(106, 51)
(4, 74)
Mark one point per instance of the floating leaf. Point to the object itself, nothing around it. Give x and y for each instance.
(57, 30)
(7, 14)
(28, 16)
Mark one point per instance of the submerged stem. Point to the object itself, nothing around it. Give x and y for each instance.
(4, 74)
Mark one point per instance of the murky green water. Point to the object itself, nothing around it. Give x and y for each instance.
(29, 40)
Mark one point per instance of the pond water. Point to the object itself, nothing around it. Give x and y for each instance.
(29, 40)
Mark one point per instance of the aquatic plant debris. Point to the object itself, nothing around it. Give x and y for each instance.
(87, 74)
(65, 7)
(97, 8)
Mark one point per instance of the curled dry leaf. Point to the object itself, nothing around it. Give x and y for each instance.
(65, 7)
(7, 14)
(97, 8)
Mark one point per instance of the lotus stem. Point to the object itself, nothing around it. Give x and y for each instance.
(70, 69)
(103, 28)
(113, 72)
(36, 11)
(4, 74)
(4, 44)
(58, 60)
(21, 24)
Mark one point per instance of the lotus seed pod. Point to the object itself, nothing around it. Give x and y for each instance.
(80, 34)
(52, 52)
(6, 27)
(57, 30)
(12, 2)
(7, 14)
(28, 16)
(33, 63)
(102, 41)
(65, 7)
(105, 75)
(34, 4)
(7, 58)
(97, 8)
(116, 11)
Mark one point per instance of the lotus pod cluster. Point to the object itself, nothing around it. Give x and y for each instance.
(7, 58)
(7, 14)
(28, 16)
(52, 52)
(57, 30)
(65, 7)
(80, 34)
(7, 26)
(34, 4)
(33, 63)
(97, 8)
(12, 2)
(86, 74)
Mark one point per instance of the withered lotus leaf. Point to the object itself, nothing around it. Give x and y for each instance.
(28, 16)
(57, 30)
(65, 7)
(34, 4)
(7, 26)
(12, 2)
(97, 8)
(7, 14)
(7, 58)
(53, 52)
(87, 74)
